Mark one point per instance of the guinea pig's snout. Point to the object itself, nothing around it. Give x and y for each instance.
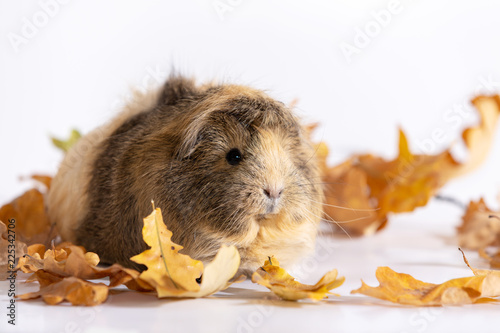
(272, 194)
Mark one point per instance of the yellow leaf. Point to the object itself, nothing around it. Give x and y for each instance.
(167, 268)
(173, 274)
(405, 289)
(272, 276)
(216, 274)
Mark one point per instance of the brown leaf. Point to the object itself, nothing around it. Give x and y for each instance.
(348, 201)
(55, 290)
(478, 229)
(494, 259)
(32, 222)
(10, 250)
(67, 260)
(272, 276)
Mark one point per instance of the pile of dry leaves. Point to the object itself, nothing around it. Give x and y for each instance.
(376, 189)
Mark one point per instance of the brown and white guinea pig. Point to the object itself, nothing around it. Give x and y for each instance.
(227, 164)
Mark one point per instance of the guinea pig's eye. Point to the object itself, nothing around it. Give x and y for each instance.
(234, 156)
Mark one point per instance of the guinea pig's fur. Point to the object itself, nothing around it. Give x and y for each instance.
(172, 146)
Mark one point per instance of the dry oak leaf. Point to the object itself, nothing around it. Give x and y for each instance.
(404, 289)
(493, 259)
(43, 179)
(374, 187)
(67, 260)
(348, 202)
(55, 289)
(478, 229)
(276, 279)
(347, 198)
(32, 222)
(173, 274)
(9, 245)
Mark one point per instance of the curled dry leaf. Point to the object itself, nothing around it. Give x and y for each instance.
(173, 274)
(55, 289)
(9, 245)
(217, 273)
(493, 259)
(32, 222)
(67, 260)
(405, 289)
(272, 276)
(371, 187)
(43, 179)
(480, 227)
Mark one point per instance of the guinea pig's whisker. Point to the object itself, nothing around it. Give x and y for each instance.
(330, 219)
(308, 160)
(233, 218)
(352, 220)
(348, 208)
(324, 183)
(338, 225)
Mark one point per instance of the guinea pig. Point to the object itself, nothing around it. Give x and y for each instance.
(227, 164)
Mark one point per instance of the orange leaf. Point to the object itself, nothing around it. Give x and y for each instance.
(32, 222)
(43, 179)
(367, 182)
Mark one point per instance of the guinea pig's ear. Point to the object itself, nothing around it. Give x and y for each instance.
(191, 137)
(176, 88)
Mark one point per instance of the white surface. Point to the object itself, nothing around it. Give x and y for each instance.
(420, 244)
(431, 57)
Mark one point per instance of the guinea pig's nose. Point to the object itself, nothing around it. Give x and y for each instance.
(273, 192)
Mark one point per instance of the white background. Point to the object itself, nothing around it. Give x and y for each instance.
(425, 60)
